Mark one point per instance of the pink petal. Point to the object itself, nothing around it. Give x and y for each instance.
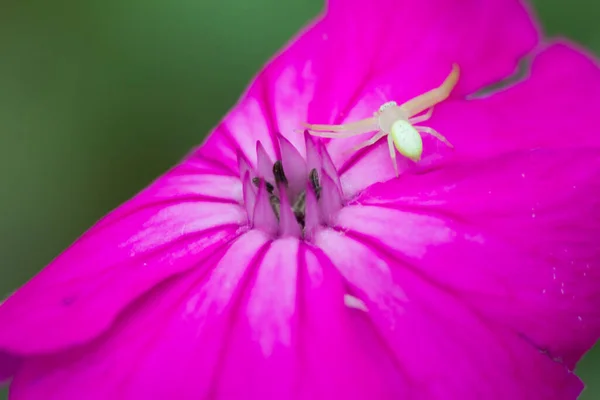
(446, 349)
(340, 354)
(164, 231)
(361, 54)
(268, 321)
(145, 344)
(485, 38)
(554, 107)
(513, 237)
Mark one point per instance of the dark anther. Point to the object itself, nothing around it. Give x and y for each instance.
(299, 205)
(314, 180)
(269, 187)
(279, 174)
(275, 204)
(299, 217)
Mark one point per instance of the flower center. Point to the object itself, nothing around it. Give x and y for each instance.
(299, 203)
(292, 196)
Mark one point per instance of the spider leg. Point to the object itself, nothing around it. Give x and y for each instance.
(370, 142)
(343, 130)
(364, 125)
(434, 96)
(393, 154)
(366, 143)
(435, 134)
(333, 135)
(421, 118)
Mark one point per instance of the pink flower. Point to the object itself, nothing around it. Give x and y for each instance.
(475, 275)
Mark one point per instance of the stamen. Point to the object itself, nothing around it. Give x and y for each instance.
(257, 181)
(299, 208)
(279, 174)
(295, 202)
(264, 217)
(314, 181)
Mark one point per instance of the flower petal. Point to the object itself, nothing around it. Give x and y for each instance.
(180, 323)
(446, 349)
(268, 321)
(555, 106)
(514, 236)
(165, 230)
(361, 54)
(485, 38)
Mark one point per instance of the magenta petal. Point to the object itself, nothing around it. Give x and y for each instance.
(433, 332)
(259, 360)
(525, 115)
(307, 345)
(160, 233)
(532, 216)
(343, 68)
(485, 38)
(190, 317)
(341, 355)
(475, 277)
(264, 322)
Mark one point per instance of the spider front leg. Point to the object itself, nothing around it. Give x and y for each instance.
(332, 135)
(343, 130)
(392, 149)
(370, 142)
(421, 118)
(434, 133)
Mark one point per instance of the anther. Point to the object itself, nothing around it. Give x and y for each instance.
(270, 188)
(279, 174)
(314, 180)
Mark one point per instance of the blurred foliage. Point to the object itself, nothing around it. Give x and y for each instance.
(98, 97)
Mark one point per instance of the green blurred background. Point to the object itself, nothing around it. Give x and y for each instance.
(98, 97)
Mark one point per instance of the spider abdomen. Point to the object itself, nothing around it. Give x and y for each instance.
(406, 139)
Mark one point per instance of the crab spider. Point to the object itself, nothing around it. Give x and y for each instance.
(396, 122)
